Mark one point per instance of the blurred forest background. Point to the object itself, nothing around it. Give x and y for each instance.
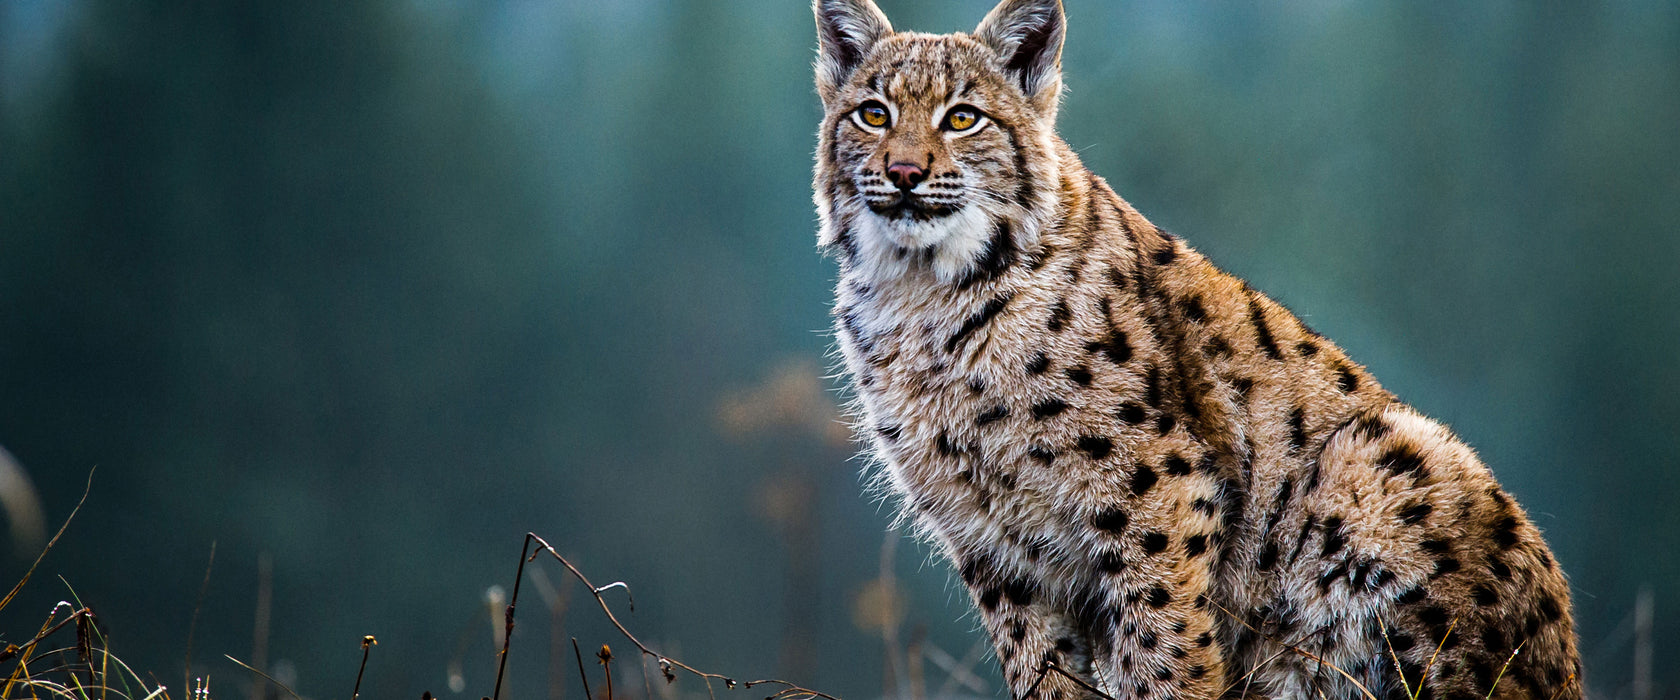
(361, 292)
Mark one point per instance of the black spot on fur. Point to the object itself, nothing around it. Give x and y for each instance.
(1164, 423)
(1142, 480)
(1113, 345)
(1216, 347)
(979, 319)
(1080, 375)
(1549, 608)
(998, 255)
(1262, 332)
(1301, 539)
(976, 384)
(1346, 380)
(1205, 506)
(1158, 597)
(1433, 615)
(1411, 595)
(990, 598)
(1020, 591)
(1402, 459)
(1415, 513)
(1370, 428)
(1176, 466)
(1038, 364)
(1499, 569)
(1110, 520)
(1193, 310)
(1116, 277)
(890, 432)
(992, 415)
(1268, 556)
(1504, 532)
(1059, 316)
(1434, 546)
(1130, 412)
(944, 445)
(1041, 454)
(1334, 537)
(1195, 545)
(1297, 429)
(1154, 542)
(1446, 565)
(1167, 253)
(1334, 574)
(1048, 407)
(1306, 348)
(1064, 645)
(1152, 387)
(1096, 446)
(1243, 385)
(1484, 595)
(1110, 563)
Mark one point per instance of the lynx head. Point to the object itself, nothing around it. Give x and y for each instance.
(936, 152)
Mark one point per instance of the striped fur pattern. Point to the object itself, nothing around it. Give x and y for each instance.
(1146, 472)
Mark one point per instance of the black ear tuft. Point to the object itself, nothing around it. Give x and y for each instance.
(1028, 35)
(846, 31)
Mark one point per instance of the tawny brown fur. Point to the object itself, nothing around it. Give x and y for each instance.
(1148, 474)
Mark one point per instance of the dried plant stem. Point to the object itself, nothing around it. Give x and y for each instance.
(665, 663)
(367, 644)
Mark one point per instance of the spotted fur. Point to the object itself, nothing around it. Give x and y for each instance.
(1146, 472)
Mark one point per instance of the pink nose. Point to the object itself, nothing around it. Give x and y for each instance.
(906, 175)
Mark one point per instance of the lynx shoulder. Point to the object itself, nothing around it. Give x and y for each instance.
(1153, 479)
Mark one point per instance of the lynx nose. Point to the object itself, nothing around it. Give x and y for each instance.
(906, 175)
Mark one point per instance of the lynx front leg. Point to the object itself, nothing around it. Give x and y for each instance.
(1029, 631)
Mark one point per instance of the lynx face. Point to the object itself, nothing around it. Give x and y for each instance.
(930, 142)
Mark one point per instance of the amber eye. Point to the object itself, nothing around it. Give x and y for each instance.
(874, 114)
(961, 119)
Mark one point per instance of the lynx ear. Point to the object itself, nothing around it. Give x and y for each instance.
(846, 31)
(1027, 35)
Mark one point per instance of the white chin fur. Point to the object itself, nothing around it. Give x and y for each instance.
(889, 248)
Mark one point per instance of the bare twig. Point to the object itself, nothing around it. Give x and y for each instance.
(587, 693)
(13, 594)
(14, 650)
(666, 663)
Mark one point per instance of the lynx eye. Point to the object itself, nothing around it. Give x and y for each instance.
(961, 118)
(874, 114)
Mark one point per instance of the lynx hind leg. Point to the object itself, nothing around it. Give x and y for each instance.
(1029, 632)
(1409, 533)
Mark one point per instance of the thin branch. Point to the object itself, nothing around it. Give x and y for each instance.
(666, 663)
(587, 693)
(13, 594)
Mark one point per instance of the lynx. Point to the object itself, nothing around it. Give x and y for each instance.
(1155, 481)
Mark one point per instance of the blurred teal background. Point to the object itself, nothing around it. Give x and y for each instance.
(368, 290)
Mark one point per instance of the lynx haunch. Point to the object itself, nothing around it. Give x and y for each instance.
(1149, 475)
